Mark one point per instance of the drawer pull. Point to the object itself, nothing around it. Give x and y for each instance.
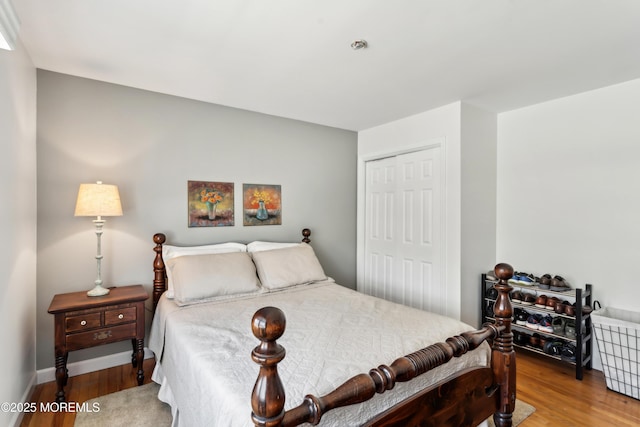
(83, 323)
(103, 335)
(120, 316)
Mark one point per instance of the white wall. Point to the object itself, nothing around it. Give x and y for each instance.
(150, 145)
(478, 205)
(469, 141)
(569, 191)
(17, 227)
(438, 124)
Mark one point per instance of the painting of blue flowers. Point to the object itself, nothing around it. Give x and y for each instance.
(262, 204)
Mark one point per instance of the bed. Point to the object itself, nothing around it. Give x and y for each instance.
(220, 349)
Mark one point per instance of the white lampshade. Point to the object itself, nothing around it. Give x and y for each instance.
(98, 200)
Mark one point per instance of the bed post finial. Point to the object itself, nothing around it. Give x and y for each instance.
(305, 235)
(267, 398)
(503, 359)
(159, 273)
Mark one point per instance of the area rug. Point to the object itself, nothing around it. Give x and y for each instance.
(523, 410)
(140, 407)
(136, 406)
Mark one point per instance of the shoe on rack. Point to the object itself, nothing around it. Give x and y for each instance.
(534, 340)
(526, 279)
(516, 296)
(521, 317)
(533, 321)
(570, 329)
(553, 347)
(520, 338)
(570, 310)
(546, 324)
(543, 341)
(544, 281)
(491, 276)
(569, 352)
(528, 299)
(520, 278)
(551, 303)
(558, 284)
(489, 309)
(541, 301)
(558, 325)
(491, 293)
(586, 309)
(560, 307)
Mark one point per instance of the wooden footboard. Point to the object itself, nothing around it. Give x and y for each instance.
(466, 399)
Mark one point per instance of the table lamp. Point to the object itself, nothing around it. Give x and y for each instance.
(98, 200)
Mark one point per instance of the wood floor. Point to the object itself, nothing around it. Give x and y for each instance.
(551, 387)
(561, 400)
(82, 388)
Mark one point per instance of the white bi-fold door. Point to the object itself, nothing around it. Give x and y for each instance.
(403, 237)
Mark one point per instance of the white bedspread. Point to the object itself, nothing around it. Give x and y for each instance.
(332, 334)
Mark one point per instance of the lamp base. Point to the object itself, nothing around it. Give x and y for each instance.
(98, 291)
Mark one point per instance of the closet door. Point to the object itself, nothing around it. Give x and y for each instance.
(403, 245)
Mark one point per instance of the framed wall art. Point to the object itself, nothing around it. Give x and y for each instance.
(210, 204)
(262, 204)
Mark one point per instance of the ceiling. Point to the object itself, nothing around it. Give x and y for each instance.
(292, 58)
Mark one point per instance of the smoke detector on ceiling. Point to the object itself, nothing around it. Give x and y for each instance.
(359, 44)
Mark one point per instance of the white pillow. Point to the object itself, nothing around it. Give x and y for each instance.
(203, 277)
(170, 252)
(294, 265)
(258, 246)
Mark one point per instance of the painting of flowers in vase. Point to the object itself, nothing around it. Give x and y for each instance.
(210, 204)
(262, 204)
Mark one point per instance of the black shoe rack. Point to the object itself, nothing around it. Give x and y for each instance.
(534, 340)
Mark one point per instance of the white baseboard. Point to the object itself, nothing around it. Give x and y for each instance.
(17, 417)
(91, 365)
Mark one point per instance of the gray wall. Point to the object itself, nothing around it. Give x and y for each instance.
(17, 228)
(150, 145)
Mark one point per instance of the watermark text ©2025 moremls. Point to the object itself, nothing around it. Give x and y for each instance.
(49, 407)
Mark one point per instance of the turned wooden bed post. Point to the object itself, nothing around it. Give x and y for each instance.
(503, 357)
(159, 273)
(267, 399)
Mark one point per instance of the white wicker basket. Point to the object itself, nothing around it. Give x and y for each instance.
(618, 336)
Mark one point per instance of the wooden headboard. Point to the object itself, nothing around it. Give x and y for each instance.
(160, 272)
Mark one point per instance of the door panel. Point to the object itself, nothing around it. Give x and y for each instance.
(402, 229)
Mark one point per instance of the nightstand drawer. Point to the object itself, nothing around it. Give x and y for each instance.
(82, 322)
(122, 315)
(101, 336)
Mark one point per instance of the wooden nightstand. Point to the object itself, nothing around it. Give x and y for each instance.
(82, 321)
